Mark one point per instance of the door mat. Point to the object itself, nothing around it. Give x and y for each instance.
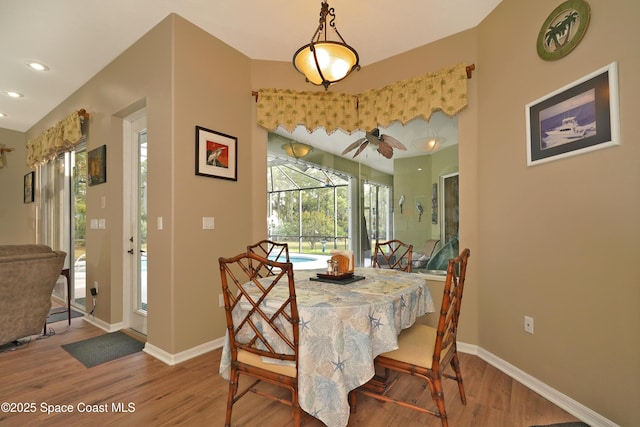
(58, 315)
(103, 348)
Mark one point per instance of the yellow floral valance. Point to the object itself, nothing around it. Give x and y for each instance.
(444, 90)
(289, 108)
(57, 139)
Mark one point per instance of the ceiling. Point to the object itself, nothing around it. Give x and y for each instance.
(413, 136)
(78, 38)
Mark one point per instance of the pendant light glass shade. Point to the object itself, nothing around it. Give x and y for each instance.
(324, 62)
(327, 62)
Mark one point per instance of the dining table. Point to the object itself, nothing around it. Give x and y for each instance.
(343, 326)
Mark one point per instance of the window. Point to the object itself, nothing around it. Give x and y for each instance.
(369, 197)
(308, 207)
(62, 222)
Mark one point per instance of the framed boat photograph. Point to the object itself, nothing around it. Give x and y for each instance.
(580, 117)
(216, 154)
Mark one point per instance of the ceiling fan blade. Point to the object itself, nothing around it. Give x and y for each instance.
(354, 145)
(362, 147)
(385, 149)
(393, 142)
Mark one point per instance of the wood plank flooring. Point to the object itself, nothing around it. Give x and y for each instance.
(41, 373)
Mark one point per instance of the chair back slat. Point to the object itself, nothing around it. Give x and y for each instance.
(269, 249)
(393, 254)
(450, 309)
(261, 312)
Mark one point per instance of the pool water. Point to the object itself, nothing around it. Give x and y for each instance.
(305, 261)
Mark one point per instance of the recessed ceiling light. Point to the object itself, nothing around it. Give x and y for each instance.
(37, 66)
(13, 94)
(3, 115)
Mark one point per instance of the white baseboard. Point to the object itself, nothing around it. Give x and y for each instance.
(563, 401)
(174, 359)
(108, 327)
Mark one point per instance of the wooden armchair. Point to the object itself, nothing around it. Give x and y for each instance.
(271, 250)
(393, 254)
(425, 352)
(257, 331)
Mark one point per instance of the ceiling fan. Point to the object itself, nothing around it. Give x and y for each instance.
(384, 143)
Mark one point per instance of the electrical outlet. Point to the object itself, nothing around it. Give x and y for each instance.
(528, 324)
(220, 300)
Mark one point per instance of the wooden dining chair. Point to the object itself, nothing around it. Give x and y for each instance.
(258, 331)
(425, 352)
(271, 250)
(393, 254)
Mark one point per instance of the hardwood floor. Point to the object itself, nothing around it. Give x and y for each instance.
(193, 394)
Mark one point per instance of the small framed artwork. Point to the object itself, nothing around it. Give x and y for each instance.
(580, 117)
(29, 182)
(97, 165)
(434, 203)
(216, 154)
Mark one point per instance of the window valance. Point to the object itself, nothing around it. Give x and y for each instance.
(57, 139)
(444, 90)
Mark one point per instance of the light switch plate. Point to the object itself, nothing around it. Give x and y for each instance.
(208, 223)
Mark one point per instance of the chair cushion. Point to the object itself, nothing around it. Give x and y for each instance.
(253, 359)
(421, 262)
(415, 346)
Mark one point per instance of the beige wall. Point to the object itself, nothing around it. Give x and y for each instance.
(553, 241)
(17, 220)
(557, 240)
(175, 71)
(414, 178)
(212, 89)
(140, 77)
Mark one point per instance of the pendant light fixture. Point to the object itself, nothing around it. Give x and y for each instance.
(324, 62)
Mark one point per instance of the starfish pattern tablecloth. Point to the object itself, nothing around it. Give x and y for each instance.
(342, 329)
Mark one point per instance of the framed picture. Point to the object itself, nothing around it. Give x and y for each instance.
(97, 165)
(580, 117)
(29, 182)
(216, 154)
(434, 203)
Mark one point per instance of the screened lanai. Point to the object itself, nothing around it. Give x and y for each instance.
(312, 207)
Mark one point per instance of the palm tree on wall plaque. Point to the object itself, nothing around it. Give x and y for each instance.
(561, 30)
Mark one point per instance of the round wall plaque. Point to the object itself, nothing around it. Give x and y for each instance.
(563, 29)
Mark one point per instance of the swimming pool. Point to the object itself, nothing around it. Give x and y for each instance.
(307, 261)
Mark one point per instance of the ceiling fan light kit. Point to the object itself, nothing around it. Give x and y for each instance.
(322, 61)
(429, 144)
(297, 150)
